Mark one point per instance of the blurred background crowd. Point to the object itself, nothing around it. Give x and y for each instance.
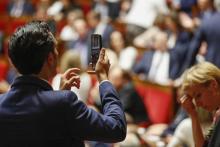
(150, 43)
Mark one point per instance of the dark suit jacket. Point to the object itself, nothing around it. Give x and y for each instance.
(179, 53)
(33, 115)
(27, 8)
(214, 140)
(210, 33)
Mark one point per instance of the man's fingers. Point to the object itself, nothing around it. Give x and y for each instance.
(102, 54)
(107, 59)
(74, 81)
(70, 72)
(73, 74)
(183, 98)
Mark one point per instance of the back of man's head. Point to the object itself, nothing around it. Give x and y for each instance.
(29, 46)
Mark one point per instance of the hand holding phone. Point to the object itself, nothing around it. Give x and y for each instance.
(102, 66)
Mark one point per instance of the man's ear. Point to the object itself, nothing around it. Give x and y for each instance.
(50, 58)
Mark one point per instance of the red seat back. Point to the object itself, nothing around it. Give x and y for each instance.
(3, 68)
(3, 6)
(158, 100)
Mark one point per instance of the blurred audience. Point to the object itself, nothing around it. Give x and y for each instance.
(146, 39)
(135, 111)
(81, 44)
(123, 50)
(125, 7)
(208, 33)
(1, 41)
(187, 6)
(131, 101)
(158, 65)
(68, 32)
(101, 7)
(60, 8)
(17, 8)
(142, 15)
(98, 26)
(114, 9)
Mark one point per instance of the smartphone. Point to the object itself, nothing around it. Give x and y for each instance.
(96, 45)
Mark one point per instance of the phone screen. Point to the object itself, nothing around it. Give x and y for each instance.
(96, 45)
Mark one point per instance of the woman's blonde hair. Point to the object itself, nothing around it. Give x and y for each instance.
(70, 59)
(201, 73)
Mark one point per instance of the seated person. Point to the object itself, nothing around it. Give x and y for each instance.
(201, 89)
(131, 101)
(159, 65)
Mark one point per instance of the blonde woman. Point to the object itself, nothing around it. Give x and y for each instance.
(201, 88)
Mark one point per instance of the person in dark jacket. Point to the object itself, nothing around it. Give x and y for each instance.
(207, 33)
(32, 114)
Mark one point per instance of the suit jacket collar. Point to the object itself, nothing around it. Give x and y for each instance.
(31, 80)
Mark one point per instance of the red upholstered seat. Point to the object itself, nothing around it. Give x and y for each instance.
(17, 22)
(3, 6)
(158, 101)
(4, 22)
(3, 69)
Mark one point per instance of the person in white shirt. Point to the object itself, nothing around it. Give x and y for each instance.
(123, 52)
(142, 15)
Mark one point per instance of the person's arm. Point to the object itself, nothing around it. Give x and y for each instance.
(197, 130)
(87, 124)
(198, 136)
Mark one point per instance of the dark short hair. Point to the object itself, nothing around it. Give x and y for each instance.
(29, 46)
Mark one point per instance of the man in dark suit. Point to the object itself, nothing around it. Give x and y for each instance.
(208, 33)
(33, 115)
(151, 66)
